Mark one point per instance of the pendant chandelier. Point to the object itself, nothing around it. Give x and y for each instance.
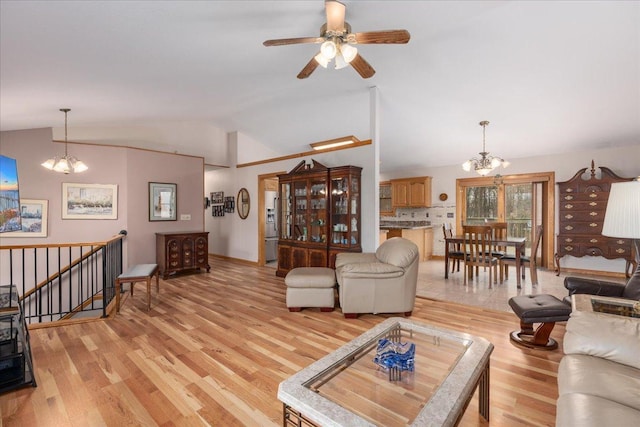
(66, 163)
(486, 163)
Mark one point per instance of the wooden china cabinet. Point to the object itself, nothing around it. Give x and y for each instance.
(582, 206)
(319, 215)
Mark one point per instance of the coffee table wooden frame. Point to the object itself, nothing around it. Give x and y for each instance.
(304, 407)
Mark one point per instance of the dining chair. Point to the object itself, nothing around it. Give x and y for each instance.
(499, 232)
(477, 239)
(509, 259)
(456, 252)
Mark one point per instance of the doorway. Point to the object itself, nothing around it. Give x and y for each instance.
(522, 201)
(268, 220)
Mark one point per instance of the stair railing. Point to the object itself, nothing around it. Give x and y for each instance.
(61, 281)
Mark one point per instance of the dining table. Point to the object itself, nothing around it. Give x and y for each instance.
(517, 242)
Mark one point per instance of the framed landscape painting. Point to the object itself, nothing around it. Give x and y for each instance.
(34, 214)
(89, 201)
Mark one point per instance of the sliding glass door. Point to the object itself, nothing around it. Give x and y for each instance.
(522, 201)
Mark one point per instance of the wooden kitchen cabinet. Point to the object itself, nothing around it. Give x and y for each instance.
(428, 243)
(411, 192)
(177, 251)
(386, 207)
(422, 237)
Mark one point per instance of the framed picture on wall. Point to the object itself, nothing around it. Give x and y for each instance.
(162, 201)
(34, 214)
(89, 201)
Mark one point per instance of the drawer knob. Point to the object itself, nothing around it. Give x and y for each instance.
(569, 227)
(594, 240)
(568, 216)
(568, 248)
(569, 197)
(569, 190)
(568, 206)
(620, 242)
(620, 251)
(593, 224)
(593, 203)
(593, 213)
(568, 240)
(593, 195)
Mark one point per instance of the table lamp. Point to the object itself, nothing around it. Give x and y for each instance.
(622, 218)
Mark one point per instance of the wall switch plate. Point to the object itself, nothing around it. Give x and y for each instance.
(185, 217)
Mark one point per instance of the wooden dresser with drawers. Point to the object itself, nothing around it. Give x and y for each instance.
(582, 206)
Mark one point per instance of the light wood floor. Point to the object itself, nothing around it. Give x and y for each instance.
(215, 346)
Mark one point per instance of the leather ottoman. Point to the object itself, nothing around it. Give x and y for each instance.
(310, 287)
(544, 309)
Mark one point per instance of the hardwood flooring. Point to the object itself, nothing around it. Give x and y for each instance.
(215, 346)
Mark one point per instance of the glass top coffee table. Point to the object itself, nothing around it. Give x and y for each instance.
(346, 388)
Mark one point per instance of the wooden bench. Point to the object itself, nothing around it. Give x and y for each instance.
(138, 273)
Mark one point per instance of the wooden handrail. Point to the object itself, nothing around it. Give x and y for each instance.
(58, 245)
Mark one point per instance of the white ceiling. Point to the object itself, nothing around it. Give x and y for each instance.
(551, 77)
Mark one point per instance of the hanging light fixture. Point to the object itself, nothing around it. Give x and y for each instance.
(66, 163)
(338, 49)
(486, 163)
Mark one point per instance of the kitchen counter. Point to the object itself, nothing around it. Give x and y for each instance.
(406, 225)
(419, 232)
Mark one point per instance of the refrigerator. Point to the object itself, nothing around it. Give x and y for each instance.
(271, 226)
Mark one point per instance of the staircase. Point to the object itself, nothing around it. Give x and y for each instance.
(63, 282)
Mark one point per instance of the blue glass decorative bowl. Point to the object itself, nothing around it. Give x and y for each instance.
(395, 355)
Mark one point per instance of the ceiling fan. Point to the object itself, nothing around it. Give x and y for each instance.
(338, 43)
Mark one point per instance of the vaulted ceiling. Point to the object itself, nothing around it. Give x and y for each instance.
(551, 77)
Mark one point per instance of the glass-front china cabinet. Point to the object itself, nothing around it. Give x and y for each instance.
(319, 215)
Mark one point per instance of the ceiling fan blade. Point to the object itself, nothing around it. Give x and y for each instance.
(308, 69)
(335, 15)
(297, 40)
(362, 67)
(383, 37)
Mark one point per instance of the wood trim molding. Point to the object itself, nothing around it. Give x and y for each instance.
(304, 154)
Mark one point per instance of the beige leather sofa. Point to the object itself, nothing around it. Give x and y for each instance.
(380, 282)
(599, 376)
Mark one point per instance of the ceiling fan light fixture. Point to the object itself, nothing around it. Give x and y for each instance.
(321, 60)
(329, 49)
(340, 62)
(348, 52)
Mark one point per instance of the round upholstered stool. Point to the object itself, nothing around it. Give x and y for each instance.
(543, 309)
(310, 287)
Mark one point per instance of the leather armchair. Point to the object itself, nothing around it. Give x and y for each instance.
(629, 290)
(380, 282)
